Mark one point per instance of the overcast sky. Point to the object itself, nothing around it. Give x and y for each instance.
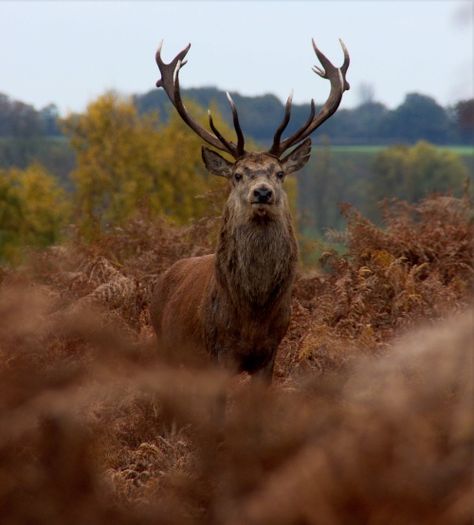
(71, 52)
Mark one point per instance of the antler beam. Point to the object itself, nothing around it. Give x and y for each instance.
(339, 84)
(169, 81)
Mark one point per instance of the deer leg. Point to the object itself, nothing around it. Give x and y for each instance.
(225, 361)
(265, 374)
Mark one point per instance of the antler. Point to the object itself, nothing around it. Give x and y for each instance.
(339, 84)
(169, 81)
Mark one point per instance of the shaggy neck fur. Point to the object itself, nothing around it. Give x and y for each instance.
(256, 258)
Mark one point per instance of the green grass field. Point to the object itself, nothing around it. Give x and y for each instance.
(467, 151)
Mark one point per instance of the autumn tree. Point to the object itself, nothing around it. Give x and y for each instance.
(33, 211)
(128, 162)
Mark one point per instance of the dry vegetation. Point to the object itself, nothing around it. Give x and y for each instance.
(364, 423)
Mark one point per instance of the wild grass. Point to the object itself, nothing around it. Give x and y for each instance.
(369, 419)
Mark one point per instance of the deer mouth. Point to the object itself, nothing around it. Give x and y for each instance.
(262, 209)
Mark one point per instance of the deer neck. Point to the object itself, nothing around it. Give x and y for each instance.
(256, 260)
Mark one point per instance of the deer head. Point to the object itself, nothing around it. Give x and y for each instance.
(257, 177)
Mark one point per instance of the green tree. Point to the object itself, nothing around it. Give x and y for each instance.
(419, 117)
(33, 211)
(464, 118)
(411, 173)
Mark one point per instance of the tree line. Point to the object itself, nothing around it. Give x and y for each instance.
(125, 162)
(418, 117)
(21, 120)
(28, 135)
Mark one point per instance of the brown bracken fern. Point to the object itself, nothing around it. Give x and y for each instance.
(361, 425)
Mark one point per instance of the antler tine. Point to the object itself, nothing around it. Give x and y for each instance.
(279, 150)
(310, 118)
(238, 129)
(216, 132)
(325, 62)
(167, 70)
(339, 84)
(274, 150)
(347, 58)
(169, 81)
(319, 71)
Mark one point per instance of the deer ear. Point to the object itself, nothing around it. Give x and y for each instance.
(295, 160)
(216, 164)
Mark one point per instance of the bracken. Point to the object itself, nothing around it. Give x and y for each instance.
(361, 425)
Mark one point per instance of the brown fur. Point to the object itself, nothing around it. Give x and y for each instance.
(234, 306)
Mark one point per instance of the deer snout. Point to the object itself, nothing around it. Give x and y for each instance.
(262, 195)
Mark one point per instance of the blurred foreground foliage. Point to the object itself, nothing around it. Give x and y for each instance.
(360, 426)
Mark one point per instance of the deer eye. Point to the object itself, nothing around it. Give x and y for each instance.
(280, 174)
(238, 176)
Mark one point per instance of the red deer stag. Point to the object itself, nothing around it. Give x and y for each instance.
(234, 305)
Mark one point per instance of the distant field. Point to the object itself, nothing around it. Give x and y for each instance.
(467, 151)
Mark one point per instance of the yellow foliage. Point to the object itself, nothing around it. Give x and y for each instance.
(127, 162)
(33, 209)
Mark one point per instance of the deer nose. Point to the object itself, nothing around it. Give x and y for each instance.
(262, 194)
